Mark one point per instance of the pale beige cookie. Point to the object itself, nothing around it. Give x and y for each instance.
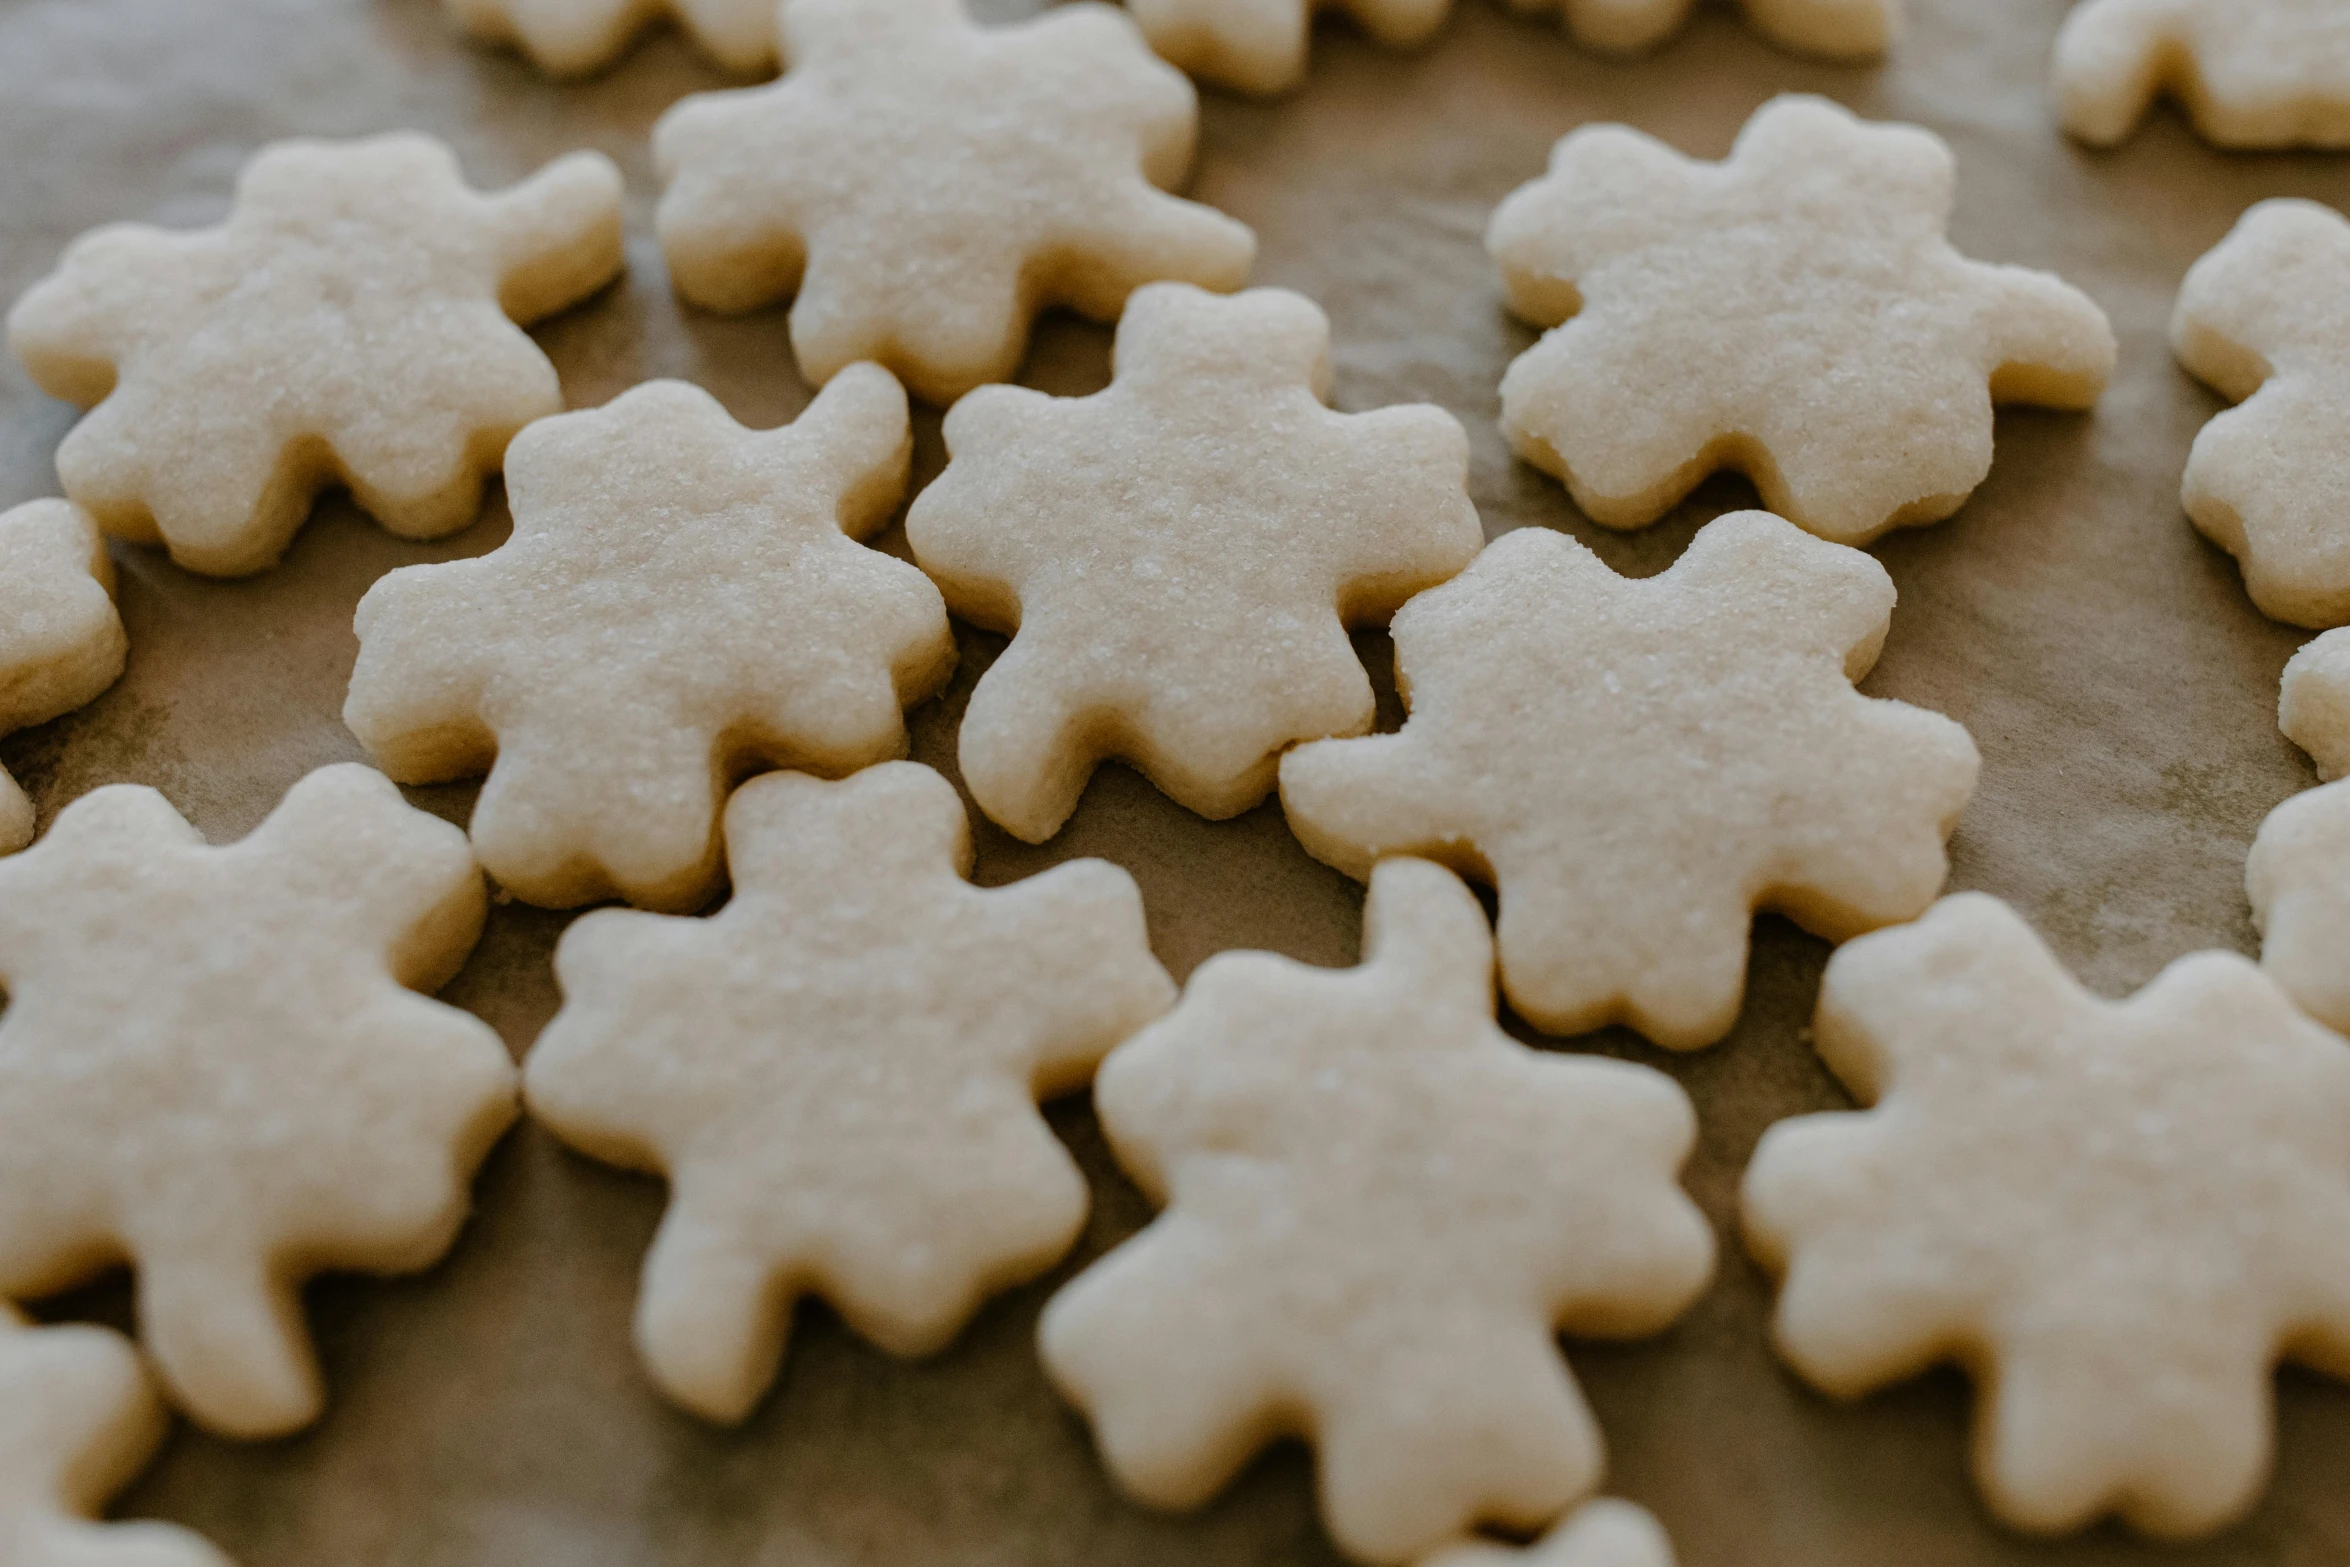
(1794, 313)
(2116, 1215)
(1380, 1209)
(839, 1073)
(61, 643)
(2313, 706)
(576, 37)
(1639, 764)
(210, 1070)
(1605, 1533)
(1260, 46)
(2298, 875)
(2265, 319)
(2250, 73)
(78, 1420)
(682, 600)
(924, 185)
(1835, 29)
(353, 322)
(1179, 557)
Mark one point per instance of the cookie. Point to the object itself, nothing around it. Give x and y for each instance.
(2116, 1215)
(839, 1072)
(921, 186)
(2313, 708)
(1379, 1210)
(2298, 875)
(264, 1100)
(1260, 46)
(682, 600)
(2250, 73)
(1832, 29)
(61, 643)
(1178, 557)
(1697, 310)
(578, 37)
(78, 1419)
(2264, 319)
(1605, 1533)
(353, 322)
(1639, 764)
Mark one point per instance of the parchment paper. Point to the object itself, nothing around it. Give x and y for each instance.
(2121, 687)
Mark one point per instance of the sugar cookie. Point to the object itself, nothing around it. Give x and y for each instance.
(924, 185)
(2265, 320)
(2117, 1215)
(61, 643)
(1605, 1533)
(1179, 557)
(1794, 314)
(838, 1072)
(577, 37)
(353, 322)
(2250, 73)
(209, 1069)
(1260, 46)
(1640, 764)
(1379, 1210)
(2313, 707)
(2298, 875)
(682, 599)
(78, 1419)
(1834, 29)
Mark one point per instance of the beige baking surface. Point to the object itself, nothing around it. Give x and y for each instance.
(2119, 684)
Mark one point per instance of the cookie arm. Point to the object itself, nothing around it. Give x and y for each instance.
(2109, 59)
(558, 235)
(71, 329)
(2049, 344)
(854, 441)
(224, 1329)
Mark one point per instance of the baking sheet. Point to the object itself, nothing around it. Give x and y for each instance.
(2120, 686)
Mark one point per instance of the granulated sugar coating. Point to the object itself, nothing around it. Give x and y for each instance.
(2249, 73)
(61, 643)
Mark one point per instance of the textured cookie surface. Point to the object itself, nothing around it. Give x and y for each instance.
(1605, 1533)
(1180, 555)
(61, 643)
(574, 37)
(2265, 319)
(682, 598)
(924, 185)
(352, 322)
(268, 1099)
(838, 1072)
(2118, 1214)
(1701, 301)
(2250, 73)
(1837, 29)
(1379, 1210)
(2313, 705)
(1639, 764)
(2298, 875)
(77, 1421)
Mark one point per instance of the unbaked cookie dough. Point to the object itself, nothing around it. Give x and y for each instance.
(61, 643)
(215, 1066)
(2265, 320)
(1638, 764)
(2117, 1215)
(681, 600)
(1379, 1210)
(1605, 1533)
(1794, 313)
(2298, 875)
(924, 186)
(1178, 557)
(577, 37)
(839, 1072)
(2250, 73)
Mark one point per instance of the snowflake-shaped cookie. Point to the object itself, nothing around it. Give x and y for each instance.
(1180, 555)
(1605, 1533)
(925, 185)
(2116, 1214)
(78, 1420)
(682, 598)
(1640, 764)
(2265, 320)
(353, 322)
(576, 37)
(61, 643)
(2250, 73)
(2298, 875)
(1379, 1210)
(839, 1072)
(210, 1069)
(1794, 313)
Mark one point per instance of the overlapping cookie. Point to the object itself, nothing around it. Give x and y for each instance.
(61, 643)
(215, 1066)
(1178, 558)
(353, 322)
(922, 186)
(1379, 1210)
(2117, 1215)
(2250, 73)
(576, 37)
(839, 1072)
(1638, 764)
(2298, 875)
(1794, 313)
